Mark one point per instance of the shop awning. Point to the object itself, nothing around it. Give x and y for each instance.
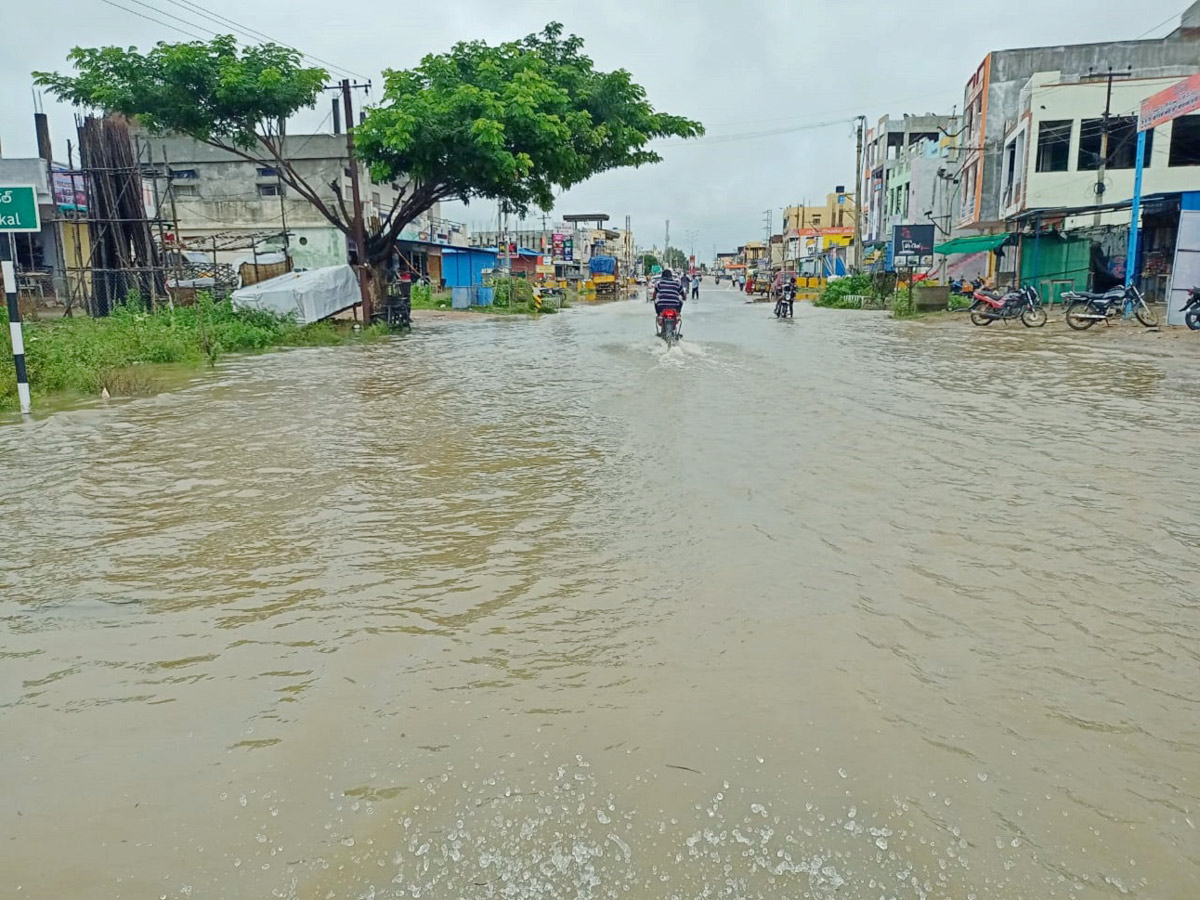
(975, 244)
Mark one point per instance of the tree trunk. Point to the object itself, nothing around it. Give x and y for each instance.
(374, 286)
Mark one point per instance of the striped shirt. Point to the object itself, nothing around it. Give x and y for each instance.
(669, 290)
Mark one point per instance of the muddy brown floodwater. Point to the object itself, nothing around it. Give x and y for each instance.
(838, 607)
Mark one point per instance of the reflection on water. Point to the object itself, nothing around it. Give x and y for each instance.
(838, 607)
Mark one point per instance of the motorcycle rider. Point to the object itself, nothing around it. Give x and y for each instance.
(667, 295)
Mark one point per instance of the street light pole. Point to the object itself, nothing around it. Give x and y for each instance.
(858, 173)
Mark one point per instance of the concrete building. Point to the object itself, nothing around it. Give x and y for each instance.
(1052, 151)
(217, 193)
(1049, 178)
(993, 101)
(753, 253)
(890, 150)
(837, 212)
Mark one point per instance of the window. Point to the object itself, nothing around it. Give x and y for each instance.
(270, 190)
(816, 221)
(1185, 141)
(185, 190)
(1122, 143)
(185, 174)
(1054, 146)
(266, 172)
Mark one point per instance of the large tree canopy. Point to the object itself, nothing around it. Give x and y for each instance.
(208, 90)
(236, 99)
(513, 122)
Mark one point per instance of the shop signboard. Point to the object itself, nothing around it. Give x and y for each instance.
(912, 246)
(1177, 100)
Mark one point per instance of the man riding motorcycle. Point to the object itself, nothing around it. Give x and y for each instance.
(667, 295)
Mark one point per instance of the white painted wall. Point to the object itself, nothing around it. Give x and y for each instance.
(1050, 99)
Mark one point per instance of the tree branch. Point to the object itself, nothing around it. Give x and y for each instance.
(421, 199)
(337, 192)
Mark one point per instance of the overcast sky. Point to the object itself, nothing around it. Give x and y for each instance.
(748, 69)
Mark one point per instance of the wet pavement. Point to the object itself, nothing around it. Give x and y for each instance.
(835, 607)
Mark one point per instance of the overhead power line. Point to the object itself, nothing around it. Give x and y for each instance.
(257, 35)
(251, 34)
(748, 135)
(152, 19)
(1170, 18)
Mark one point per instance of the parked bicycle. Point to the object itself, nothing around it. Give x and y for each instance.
(1086, 308)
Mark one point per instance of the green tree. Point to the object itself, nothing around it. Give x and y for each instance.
(649, 261)
(234, 99)
(675, 259)
(512, 122)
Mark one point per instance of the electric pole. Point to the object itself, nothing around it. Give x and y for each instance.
(666, 245)
(1103, 162)
(358, 227)
(768, 219)
(858, 173)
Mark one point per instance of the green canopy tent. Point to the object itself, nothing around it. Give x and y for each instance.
(975, 244)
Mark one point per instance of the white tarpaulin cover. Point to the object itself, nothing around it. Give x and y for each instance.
(309, 296)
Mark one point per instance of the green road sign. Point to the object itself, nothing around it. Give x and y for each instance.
(18, 208)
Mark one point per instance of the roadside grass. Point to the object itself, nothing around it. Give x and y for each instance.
(81, 355)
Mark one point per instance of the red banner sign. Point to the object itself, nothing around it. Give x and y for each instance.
(1177, 100)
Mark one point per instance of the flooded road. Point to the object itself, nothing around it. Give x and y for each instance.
(838, 607)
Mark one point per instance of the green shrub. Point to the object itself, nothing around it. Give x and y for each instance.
(903, 306)
(513, 294)
(838, 294)
(422, 296)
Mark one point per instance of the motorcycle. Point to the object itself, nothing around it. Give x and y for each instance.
(669, 327)
(1023, 304)
(1086, 308)
(962, 287)
(1191, 310)
(785, 305)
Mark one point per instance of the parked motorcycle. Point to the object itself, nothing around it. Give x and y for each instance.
(669, 327)
(1191, 310)
(1086, 308)
(963, 287)
(1023, 304)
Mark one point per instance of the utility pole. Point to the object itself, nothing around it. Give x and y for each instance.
(627, 246)
(358, 227)
(666, 245)
(858, 173)
(1103, 163)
